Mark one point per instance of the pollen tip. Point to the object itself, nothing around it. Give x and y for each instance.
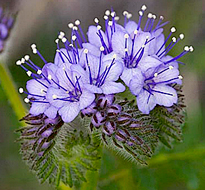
(105, 17)
(99, 27)
(110, 23)
(107, 12)
(171, 67)
(161, 17)
(129, 15)
(26, 100)
(114, 56)
(186, 48)
(58, 50)
(54, 96)
(117, 18)
(64, 39)
(18, 62)
(62, 33)
(143, 46)
(77, 22)
(21, 90)
(173, 29)
(144, 7)
(126, 36)
(181, 36)
(85, 51)
(34, 51)
(154, 17)
(140, 13)
(70, 25)
(191, 48)
(149, 15)
(102, 48)
(96, 20)
(56, 41)
(49, 77)
(126, 49)
(180, 77)
(75, 28)
(136, 31)
(33, 46)
(113, 14)
(26, 57)
(174, 39)
(155, 74)
(125, 13)
(74, 37)
(39, 72)
(22, 60)
(29, 73)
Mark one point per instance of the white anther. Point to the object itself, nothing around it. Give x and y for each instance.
(135, 32)
(171, 67)
(71, 45)
(110, 23)
(62, 33)
(49, 77)
(144, 7)
(105, 17)
(161, 17)
(191, 48)
(29, 73)
(75, 28)
(126, 36)
(64, 68)
(21, 90)
(58, 50)
(64, 39)
(35, 51)
(60, 36)
(22, 60)
(107, 12)
(143, 46)
(129, 15)
(181, 36)
(147, 37)
(26, 57)
(74, 37)
(173, 29)
(114, 56)
(140, 13)
(39, 72)
(180, 77)
(155, 74)
(54, 96)
(70, 25)
(125, 13)
(154, 17)
(174, 39)
(117, 18)
(26, 100)
(99, 27)
(126, 49)
(18, 62)
(33, 46)
(149, 15)
(77, 22)
(56, 41)
(42, 91)
(186, 48)
(113, 14)
(102, 48)
(96, 20)
(85, 50)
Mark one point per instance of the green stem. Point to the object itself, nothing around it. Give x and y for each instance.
(11, 92)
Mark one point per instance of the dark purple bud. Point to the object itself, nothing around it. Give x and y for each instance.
(104, 101)
(89, 110)
(121, 136)
(98, 119)
(109, 128)
(124, 119)
(10, 22)
(3, 31)
(114, 110)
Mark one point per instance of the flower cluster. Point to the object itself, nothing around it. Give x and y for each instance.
(6, 23)
(129, 55)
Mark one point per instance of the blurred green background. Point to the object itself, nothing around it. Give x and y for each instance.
(39, 21)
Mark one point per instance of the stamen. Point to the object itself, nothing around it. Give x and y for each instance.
(29, 73)
(26, 100)
(107, 12)
(70, 25)
(96, 20)
(77, 22)
(21, 90)
(180, 77)
(54, 97)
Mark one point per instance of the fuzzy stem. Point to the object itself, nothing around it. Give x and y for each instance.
(11, 92)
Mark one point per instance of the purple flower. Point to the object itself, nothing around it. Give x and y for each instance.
(100, 74)
(70, 97)
(152, 88)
